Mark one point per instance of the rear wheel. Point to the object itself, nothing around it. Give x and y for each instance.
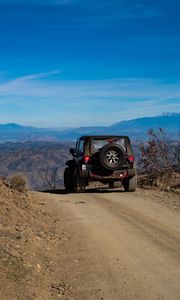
(130, 184)
(79, 184)
(68, 179)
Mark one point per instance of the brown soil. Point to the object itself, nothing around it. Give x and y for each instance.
(169, 182)
(26, 229)
(102, 244)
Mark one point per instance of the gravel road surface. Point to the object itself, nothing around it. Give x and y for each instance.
(118, 245)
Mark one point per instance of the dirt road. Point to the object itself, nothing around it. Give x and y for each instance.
(116, 246)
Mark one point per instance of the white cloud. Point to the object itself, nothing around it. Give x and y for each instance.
(133, 89)
(90, 102)
(17, 83)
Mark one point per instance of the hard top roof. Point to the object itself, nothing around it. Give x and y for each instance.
(103, 137)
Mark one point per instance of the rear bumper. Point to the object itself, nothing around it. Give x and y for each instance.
(116, 175)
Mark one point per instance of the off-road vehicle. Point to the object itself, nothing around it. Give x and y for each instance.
(107, 159)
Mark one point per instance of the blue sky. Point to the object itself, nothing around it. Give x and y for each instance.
(81, 62)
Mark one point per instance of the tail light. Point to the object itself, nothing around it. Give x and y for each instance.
(86, 158)
(131, 158)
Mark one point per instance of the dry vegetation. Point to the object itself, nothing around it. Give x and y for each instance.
(160, 162)
(18, 182)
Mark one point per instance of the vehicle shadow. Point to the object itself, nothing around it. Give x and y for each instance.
(57, 191)
(103, 190)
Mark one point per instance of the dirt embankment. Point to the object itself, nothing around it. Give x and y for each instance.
(27, 234)
(99, 245)
(167, 181)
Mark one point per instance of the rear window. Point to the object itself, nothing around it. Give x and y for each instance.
(96, 144)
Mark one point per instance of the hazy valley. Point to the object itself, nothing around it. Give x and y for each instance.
(34, 160)
(40, 154)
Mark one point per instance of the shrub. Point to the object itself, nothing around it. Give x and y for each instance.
(160, 154)
(50, 178)
(18, 182)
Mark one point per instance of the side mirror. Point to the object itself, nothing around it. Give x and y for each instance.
(71, 151)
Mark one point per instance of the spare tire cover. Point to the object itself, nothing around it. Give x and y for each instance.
(112, 156)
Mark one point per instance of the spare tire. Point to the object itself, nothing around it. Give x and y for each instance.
(112, 156)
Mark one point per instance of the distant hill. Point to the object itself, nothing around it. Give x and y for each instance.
(34, 160)
(138, 127)
(135, 128)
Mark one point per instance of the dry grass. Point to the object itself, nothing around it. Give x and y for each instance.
(18, 182)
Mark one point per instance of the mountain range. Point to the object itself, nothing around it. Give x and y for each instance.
(135, 128)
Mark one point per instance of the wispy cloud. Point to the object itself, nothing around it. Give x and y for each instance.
(14, 84)
(92, 102)
(132, 88)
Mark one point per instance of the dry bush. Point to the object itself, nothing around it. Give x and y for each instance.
(50, 178)
(18, 182)
(159, 154)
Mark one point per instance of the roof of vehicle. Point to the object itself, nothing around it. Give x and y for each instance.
(103, 137)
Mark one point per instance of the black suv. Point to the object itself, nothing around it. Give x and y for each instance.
(107, 159)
